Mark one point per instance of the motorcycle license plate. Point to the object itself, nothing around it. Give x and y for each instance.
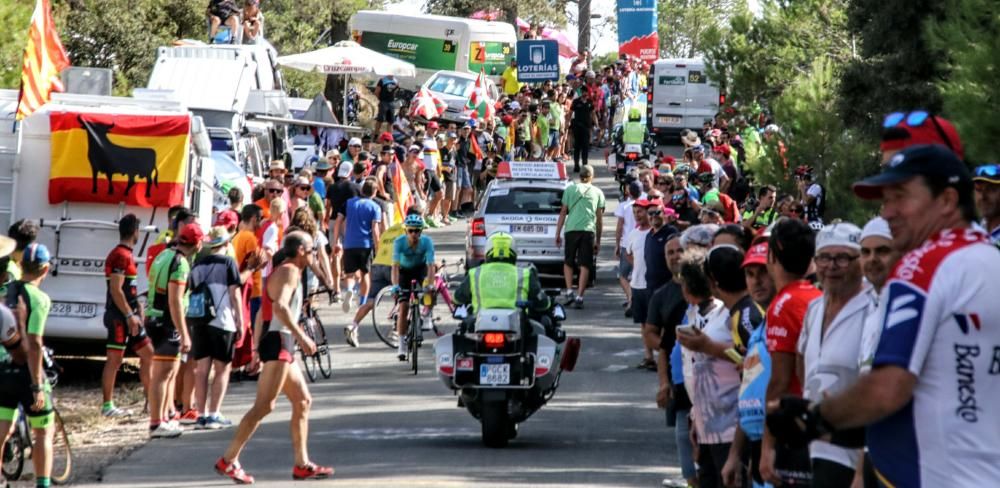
(494, 374)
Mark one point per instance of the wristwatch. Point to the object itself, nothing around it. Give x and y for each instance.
(37, 388)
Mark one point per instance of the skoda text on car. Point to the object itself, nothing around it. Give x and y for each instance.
(523, 200)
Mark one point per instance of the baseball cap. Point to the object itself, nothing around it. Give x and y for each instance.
(471, 123)
(756, 255)
(344, 170)
(386, 136)
(36, 254)
(988, 173)
(699, 235)
(934, 130)
(227, 219)
(277, 164)
(843, 234)
(432, 124)
(333, 153)
(415, 148)
(876, 227)
(386, 149)
(354, 142)
(643, 202)
(302, 181)
(932, 161)
(191, 234)
(515, 105)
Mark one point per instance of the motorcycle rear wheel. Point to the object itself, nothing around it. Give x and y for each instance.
(496, 424)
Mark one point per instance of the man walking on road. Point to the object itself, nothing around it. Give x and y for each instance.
(361, 230)
(582, 214)
(275, 349)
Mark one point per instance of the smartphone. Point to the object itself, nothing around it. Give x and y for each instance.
(687, 329)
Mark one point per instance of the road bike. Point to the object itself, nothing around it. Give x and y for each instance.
(19, 447)
(386, 310)
(320, 363)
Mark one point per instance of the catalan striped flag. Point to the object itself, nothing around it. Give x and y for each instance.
(44, 58)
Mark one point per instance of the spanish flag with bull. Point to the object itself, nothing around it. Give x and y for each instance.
(113, 158)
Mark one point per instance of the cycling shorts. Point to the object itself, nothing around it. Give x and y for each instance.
(119, 337)
(212, 342)
(357, 259)
(407, 276)
(276, 346)
(15, 390)
(166, 339)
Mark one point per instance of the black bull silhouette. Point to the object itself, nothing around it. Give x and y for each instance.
(109, 158)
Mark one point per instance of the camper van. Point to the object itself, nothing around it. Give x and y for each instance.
(80, 233)
(682, 96)
(435, 42)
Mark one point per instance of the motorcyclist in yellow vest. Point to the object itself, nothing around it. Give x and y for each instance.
(500, 283)
(634, 131)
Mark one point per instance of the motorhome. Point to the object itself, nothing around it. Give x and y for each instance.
(683, 97)
(80, 231)
(435, 42)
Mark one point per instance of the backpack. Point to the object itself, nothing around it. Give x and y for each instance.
(201, 305)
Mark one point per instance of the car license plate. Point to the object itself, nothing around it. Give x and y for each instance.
(494, 374)
(73, 309)
(668, 120)
(527, 228)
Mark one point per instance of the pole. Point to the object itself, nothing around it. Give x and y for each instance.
(583, 20)
(347, 83)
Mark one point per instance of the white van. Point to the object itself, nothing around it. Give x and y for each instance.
(435, 42)
(682, 96)
(454, 89)
(80, 235)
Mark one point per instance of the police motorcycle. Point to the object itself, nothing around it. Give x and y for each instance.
(504, 365)
(628, 155)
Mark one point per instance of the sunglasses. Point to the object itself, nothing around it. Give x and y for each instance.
(654, 212)
(275, 190)
(414, 231)
(305, 187)
(989, 170)
(917, 118)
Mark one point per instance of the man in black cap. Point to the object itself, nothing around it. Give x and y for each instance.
(935, 370)
(987, 181)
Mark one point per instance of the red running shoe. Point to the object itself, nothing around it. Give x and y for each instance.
(311, 472)
(189, 418)
(233, 471)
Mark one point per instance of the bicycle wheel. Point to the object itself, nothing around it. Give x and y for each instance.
(384, 318)
(309, 363)
(13, 457)
(415, 325)
(62, 453)
(324, 359)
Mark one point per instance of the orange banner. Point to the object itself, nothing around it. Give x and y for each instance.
(106, 158)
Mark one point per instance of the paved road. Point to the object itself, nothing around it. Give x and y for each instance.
(381, 426)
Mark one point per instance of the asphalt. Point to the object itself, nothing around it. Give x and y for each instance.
(379, 425)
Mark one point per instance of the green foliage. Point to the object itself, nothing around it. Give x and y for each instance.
(896, 69)
(123, 34)
(683, 24)
(971, 95)
(603, 60)
(815, 136)
(15, 16)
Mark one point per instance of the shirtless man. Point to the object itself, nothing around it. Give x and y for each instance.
(276, 332)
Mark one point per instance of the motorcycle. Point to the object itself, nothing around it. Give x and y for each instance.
(627, 158)
(504, 367)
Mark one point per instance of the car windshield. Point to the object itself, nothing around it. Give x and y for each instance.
(450, 85)
(524, 201)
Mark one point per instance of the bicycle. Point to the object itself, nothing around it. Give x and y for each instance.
(311, 324)
(19, 447)
(385, 311)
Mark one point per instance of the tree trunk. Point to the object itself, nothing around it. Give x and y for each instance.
(335, 84)
(510, 15)
(583, 21)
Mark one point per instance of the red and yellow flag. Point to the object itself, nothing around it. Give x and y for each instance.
(44, 58)
(107, 158)
(401, 189)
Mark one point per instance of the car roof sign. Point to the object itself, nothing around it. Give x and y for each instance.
(531, 170)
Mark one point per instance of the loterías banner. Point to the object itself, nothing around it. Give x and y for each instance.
(109, 158)
(637, 34)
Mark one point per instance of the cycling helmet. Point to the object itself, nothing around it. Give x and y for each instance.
(634, 114)
(414, 222)
(8, 326)
(500, 247)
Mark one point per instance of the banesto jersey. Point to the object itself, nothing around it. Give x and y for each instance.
(941, 321)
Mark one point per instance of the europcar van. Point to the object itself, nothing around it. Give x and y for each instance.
(435, 42)
(682, 96)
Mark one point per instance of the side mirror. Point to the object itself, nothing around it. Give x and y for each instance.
(558, 312)
(460, 313)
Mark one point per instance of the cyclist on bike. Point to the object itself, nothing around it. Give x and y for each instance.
(500, 283)
(22, 380)
(412, 261)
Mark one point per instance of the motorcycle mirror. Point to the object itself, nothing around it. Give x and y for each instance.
(558, 312)
(460, 313)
